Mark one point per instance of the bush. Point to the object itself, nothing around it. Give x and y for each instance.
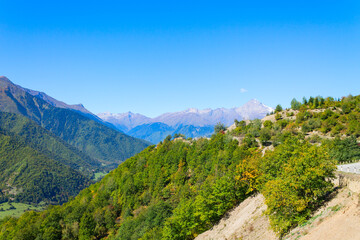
(265, 135)
(277, 116)
(278, 108)
(268, 124)
(219, 128)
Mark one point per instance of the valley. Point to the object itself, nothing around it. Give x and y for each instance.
(181, 188)
(179, 120)
(50, 151)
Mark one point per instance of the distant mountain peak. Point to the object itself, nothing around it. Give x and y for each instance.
(191, 110)
(254, 100)
(4, 81)
(3, 78)
(253, 109)
(190, 117)
(124, 121)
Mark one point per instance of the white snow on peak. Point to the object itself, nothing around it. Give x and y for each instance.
(193, 116)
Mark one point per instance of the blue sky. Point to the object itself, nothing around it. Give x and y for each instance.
(153, 57)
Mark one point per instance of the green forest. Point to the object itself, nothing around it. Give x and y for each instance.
(31, 134)
(181, 188)
(30, 177)
(49, 154)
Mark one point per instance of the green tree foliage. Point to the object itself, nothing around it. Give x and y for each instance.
(277, 116)
(296, 177)
(178, 189)
(331, 120)
(268, 124)
(249, 142)
(220, 127)
(311, 125)
(265, 135)
(177, 135)
(168, 138)
(295, 104)
(28, 176)
(343, 150)
(162, 182)
(305, 101)
(311, 101)
(254, 127)
(38, 138)
(278, 108)
(91, 137)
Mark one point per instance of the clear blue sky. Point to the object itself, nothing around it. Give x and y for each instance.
(153, 57)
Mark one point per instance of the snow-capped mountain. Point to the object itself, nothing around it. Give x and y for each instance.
(253, 109)
(192, 116)
(176, 121)
(125, 121)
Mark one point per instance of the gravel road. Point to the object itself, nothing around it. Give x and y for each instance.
(351, 167)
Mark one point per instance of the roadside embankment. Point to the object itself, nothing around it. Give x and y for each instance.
(338, 219)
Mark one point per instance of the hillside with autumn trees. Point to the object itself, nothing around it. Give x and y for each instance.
(182, 187)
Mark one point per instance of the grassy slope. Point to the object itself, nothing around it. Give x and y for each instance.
(19, 209)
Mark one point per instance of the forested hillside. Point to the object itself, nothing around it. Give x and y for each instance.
(29, 176)
(38, 138)
(180, 188)
(98, 141)
(331, 122)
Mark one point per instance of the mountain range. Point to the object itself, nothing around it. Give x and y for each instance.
(191, 122)
(180, 188)
(51, 150)
(72, 123)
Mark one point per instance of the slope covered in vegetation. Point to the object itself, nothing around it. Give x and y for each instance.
(335, 123)
(174, 191)
(180, 188)
(93, 138)
(38, 138)
(29, 176)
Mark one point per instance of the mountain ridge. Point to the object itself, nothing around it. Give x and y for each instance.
(46, 143)
(191, 122)
(206, 116)
(79, 108)
(101, 142)
(181, 188)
